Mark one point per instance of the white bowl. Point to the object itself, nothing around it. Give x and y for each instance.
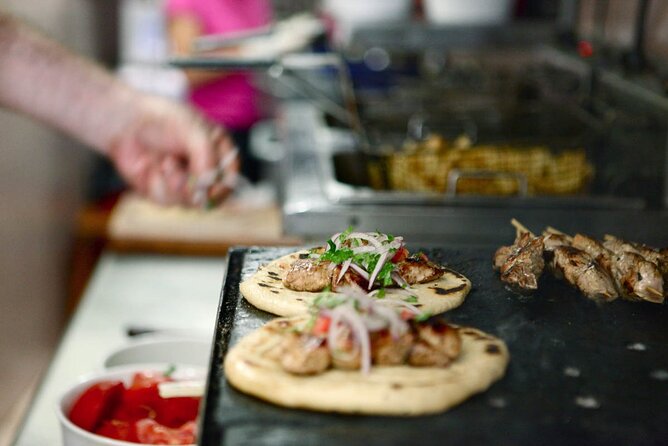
(156, 350)
(73, 435)
(369, 12)
(468, 12)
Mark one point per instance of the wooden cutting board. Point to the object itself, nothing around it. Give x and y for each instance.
(137, 224)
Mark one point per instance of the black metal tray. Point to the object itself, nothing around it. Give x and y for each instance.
(580, 373)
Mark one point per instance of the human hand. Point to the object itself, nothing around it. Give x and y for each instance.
(171, 155)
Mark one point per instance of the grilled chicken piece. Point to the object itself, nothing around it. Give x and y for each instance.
(523, 263)
(595, 249)
(638, 279)
(349, 278)
(314, 275)
(385, 350)
(308, 275)
(304, 354)
(501, 256)
(437, 344)
(346, 353)
(619, 246)
(419, 269)
(552, 240)
(582, 271)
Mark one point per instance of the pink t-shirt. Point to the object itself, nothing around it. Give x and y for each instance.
(231, 100)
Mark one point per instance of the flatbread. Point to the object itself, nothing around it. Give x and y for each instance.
(265, 290)
(387, 390)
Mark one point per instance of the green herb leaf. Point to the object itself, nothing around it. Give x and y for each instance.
(170, 371)
(423, 316)
(411, 299)
(338, 256)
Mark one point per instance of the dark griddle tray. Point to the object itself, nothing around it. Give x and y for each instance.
(579, 373)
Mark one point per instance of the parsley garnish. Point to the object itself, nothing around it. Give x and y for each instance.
(411, 299)
(170, 371)
(337, 256)
(422, 316)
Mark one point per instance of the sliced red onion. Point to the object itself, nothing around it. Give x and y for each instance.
(359, 270)
(361, 334)
(335, 240)
(397, 325)
(374, 322)
(400, 303)
(312, 342)
(368, 237)
(376, 270)
(334, 329)
(364, 249)
(344, 268)
(399, 280)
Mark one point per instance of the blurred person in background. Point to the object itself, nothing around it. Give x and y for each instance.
(164, 151)
(226, 97)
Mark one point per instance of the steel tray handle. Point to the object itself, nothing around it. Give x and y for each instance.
(455, 175)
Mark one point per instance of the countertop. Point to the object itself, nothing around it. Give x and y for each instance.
(126, 290)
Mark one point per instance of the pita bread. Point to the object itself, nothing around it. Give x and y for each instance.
(387, 390)
(265, 290)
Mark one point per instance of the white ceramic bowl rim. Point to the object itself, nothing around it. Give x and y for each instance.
(153, 341)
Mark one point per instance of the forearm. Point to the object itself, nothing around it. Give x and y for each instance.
(44, 80)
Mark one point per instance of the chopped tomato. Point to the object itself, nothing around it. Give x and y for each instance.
(400, 255)
(321, 325)
(407, 314)
(137, 403)
(136, 413)
(96, 403)
(151, 432)
(119, 430)
(148, 379)
(174, 412)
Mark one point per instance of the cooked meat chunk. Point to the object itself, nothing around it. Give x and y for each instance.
(501, 256)
(419, 269)
(314, 275)
(524, 265)
(638, 279)
(595, 249)
(436, 345)
(619, 246)
(304, 355)
(349, 278)
(346, 353)
(386, 350)
(552, 240)
(308, 275)
(582, 271)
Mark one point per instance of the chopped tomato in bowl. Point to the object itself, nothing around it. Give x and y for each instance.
(123, 406)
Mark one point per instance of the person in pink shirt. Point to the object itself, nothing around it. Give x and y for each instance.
(228, 98)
